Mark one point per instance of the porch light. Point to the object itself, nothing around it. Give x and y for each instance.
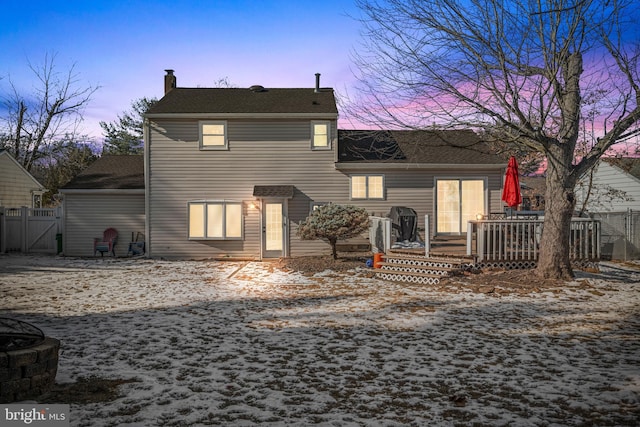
(479, 216)
(254, 205)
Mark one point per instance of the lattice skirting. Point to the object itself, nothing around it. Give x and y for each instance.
(409, 269)
(410, 279)
(524, 264)
(507, 265)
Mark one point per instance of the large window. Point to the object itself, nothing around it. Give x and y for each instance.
(213, 135)
(367, 187)
(320, 136)
(215, 220)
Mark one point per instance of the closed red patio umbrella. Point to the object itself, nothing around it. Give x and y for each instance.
(511, 191)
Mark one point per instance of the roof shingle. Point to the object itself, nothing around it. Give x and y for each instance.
(630, 165)
(415, 146)
(235, 100)
(111, 172)
(284, 191)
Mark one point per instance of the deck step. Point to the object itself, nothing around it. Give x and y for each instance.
(435, 262)
(419, 269)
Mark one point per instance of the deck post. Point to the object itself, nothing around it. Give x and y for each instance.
(469, 237)
(480, 234)
(24, 229)
(427, 236)
(387, 233)
(3, 232)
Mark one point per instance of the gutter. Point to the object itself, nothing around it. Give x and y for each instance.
(123, 191)
(326, 116)
(415, 166)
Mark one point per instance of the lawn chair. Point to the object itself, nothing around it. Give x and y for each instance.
(136, 247)
(107, 243)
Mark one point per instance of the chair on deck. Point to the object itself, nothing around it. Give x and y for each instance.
(107, 243)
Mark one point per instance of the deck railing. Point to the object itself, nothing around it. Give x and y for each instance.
(519, 239)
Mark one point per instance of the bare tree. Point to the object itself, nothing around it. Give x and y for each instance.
(34, 121)
(519, 71)
(60, 163)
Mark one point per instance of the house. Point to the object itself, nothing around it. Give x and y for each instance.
(231, 172)
(533, 189)
(109, 193)
(611, 194)
(613, 186)
(17, 187)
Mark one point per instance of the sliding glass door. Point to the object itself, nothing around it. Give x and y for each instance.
(458, 201)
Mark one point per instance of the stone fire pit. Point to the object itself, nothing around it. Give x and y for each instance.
(28, 361)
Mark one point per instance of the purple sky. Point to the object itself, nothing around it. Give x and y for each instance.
(124, 46)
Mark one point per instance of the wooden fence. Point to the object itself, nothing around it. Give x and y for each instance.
(30, 230)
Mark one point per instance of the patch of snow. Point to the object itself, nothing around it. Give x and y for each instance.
(244, 343)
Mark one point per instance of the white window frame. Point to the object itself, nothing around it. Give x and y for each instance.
(367, 196)
(201, 134)
(205, 216)
(314, 123)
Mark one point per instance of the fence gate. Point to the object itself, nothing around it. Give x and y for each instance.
(30, 230)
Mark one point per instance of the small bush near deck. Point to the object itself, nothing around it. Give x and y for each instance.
(334, 222)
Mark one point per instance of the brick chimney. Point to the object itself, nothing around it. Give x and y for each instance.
(169, 81)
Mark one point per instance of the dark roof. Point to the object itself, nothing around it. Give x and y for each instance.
(111, 172)
(414, 146)
(285, 191)
(630, 165)
(234, 100)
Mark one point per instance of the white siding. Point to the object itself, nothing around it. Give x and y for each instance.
(608, 176)
(88, 215)
(16, 184)
(261, 153)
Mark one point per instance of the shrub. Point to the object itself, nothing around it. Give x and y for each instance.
(334, 222)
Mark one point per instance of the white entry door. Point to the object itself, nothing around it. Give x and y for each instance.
(458, 201)
(273, 229)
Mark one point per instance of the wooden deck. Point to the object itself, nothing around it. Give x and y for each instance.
(441, 246)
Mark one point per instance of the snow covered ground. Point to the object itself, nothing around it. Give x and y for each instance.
(242, 343)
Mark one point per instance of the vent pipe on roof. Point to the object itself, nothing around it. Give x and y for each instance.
(169, 81)
(317, 83)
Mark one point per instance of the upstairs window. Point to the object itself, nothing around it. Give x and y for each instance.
(213, 135)
(367, 187)
(215, 220)
(320, 136)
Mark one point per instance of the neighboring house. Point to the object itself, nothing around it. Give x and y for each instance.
(232, 172)
(533, 189)
(17, 187)
(614, 186)
(612, 194)
(109, 193)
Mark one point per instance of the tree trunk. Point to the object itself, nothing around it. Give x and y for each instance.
(334, 247)
(554, 262)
